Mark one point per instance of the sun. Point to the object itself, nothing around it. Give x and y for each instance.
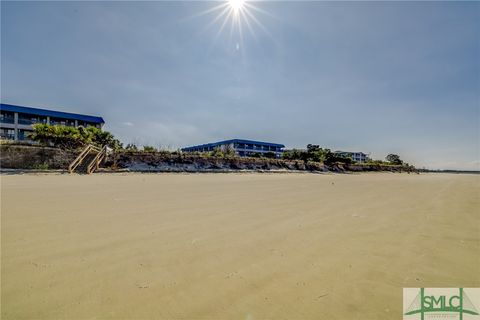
(236, 5)
(240, 15)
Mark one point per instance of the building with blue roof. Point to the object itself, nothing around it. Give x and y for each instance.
(243, 148)
(16, 121)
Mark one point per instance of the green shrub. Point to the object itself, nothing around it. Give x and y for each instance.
(41, 166)
(67, 137)
(255, 155)
(131, 147)
(394, 159)
(313, 153)
(226, 151)
(149, 149)
(270, 155)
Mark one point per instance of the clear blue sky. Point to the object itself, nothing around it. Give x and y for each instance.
(378, 77)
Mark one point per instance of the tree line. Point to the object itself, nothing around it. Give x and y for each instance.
(66, 137)
(315, 154)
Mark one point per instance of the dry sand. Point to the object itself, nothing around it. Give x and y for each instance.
(233, 246)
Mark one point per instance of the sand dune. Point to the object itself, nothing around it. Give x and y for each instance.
(233, 246)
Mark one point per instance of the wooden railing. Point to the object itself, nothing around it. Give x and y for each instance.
(79, 159)
(95, 163)
(75, 163)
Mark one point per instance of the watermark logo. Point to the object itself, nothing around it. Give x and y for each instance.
(441, 303)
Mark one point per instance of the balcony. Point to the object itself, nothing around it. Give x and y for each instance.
(7, 119)
(62, 122)
(258, 149)
(30, 121)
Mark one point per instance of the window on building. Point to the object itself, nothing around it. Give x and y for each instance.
(7, 117)
(55, 121)
(25, 118)
(8, 134)
(62, 122)
(24, 134)
(86, 124)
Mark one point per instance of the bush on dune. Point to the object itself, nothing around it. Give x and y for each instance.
(315, 154)
(66, 137)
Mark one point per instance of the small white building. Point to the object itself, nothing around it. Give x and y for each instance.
(355, 156)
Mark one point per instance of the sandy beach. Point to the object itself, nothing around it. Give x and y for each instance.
(233, 246)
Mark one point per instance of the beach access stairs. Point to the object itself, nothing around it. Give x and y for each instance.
(88, 160)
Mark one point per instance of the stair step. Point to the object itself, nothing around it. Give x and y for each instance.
(82, 168)
(87, 156)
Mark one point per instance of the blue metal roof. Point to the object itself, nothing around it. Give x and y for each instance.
(51, 113)
(219, 143)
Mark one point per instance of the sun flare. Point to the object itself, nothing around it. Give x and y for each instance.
(240, 15)
(236, 5)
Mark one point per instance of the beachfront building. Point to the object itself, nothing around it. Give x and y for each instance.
(355, 156)
(243, 148)
(16, 121)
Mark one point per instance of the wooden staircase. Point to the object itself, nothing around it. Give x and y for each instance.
(88, 160)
